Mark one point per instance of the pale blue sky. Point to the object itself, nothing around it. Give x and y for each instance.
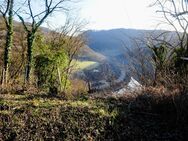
(107, 14)
(110, 14)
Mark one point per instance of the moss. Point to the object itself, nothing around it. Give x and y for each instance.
(5, 112)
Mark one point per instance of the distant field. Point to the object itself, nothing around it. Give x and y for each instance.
(81, 65)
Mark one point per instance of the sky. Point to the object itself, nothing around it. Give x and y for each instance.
(109, 14)
(112, 14)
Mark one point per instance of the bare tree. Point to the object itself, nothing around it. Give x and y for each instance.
(6, 10)
(16, 69)
(71, 38)
(139, 59)
(37, 19)
(175, 13)
(170, 52)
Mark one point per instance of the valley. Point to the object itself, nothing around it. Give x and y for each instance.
(115, 53)
(93, 70)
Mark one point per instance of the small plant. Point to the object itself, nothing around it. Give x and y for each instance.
(160, 60)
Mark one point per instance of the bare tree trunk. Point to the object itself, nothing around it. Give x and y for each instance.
(37, 20)
(30, 39)
(9, 44)
(8, 47)
(59, 76)
(67, 75)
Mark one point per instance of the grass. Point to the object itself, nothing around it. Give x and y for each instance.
(151, 115)
(33, 117)
(43, 101)
(38, 101)
(81, 65)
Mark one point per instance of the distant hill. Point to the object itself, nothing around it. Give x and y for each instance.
(116, 42)
(113, 43)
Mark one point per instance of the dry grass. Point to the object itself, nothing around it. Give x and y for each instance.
(153, 114)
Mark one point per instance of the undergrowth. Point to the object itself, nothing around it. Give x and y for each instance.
(150, 115)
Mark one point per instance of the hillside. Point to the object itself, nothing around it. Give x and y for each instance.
(119, 42)
(85, 53)
(125, 50)
(150, 115)
(115, 51)
(88, 54)
(93, 70)
(120, 52)
(114, 42)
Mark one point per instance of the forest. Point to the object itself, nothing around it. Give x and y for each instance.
(65, 83)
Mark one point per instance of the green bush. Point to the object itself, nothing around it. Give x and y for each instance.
(50, 66)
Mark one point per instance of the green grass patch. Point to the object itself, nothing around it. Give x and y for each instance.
(81, 65)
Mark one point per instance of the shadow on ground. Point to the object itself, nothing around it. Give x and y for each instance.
(145, 117)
